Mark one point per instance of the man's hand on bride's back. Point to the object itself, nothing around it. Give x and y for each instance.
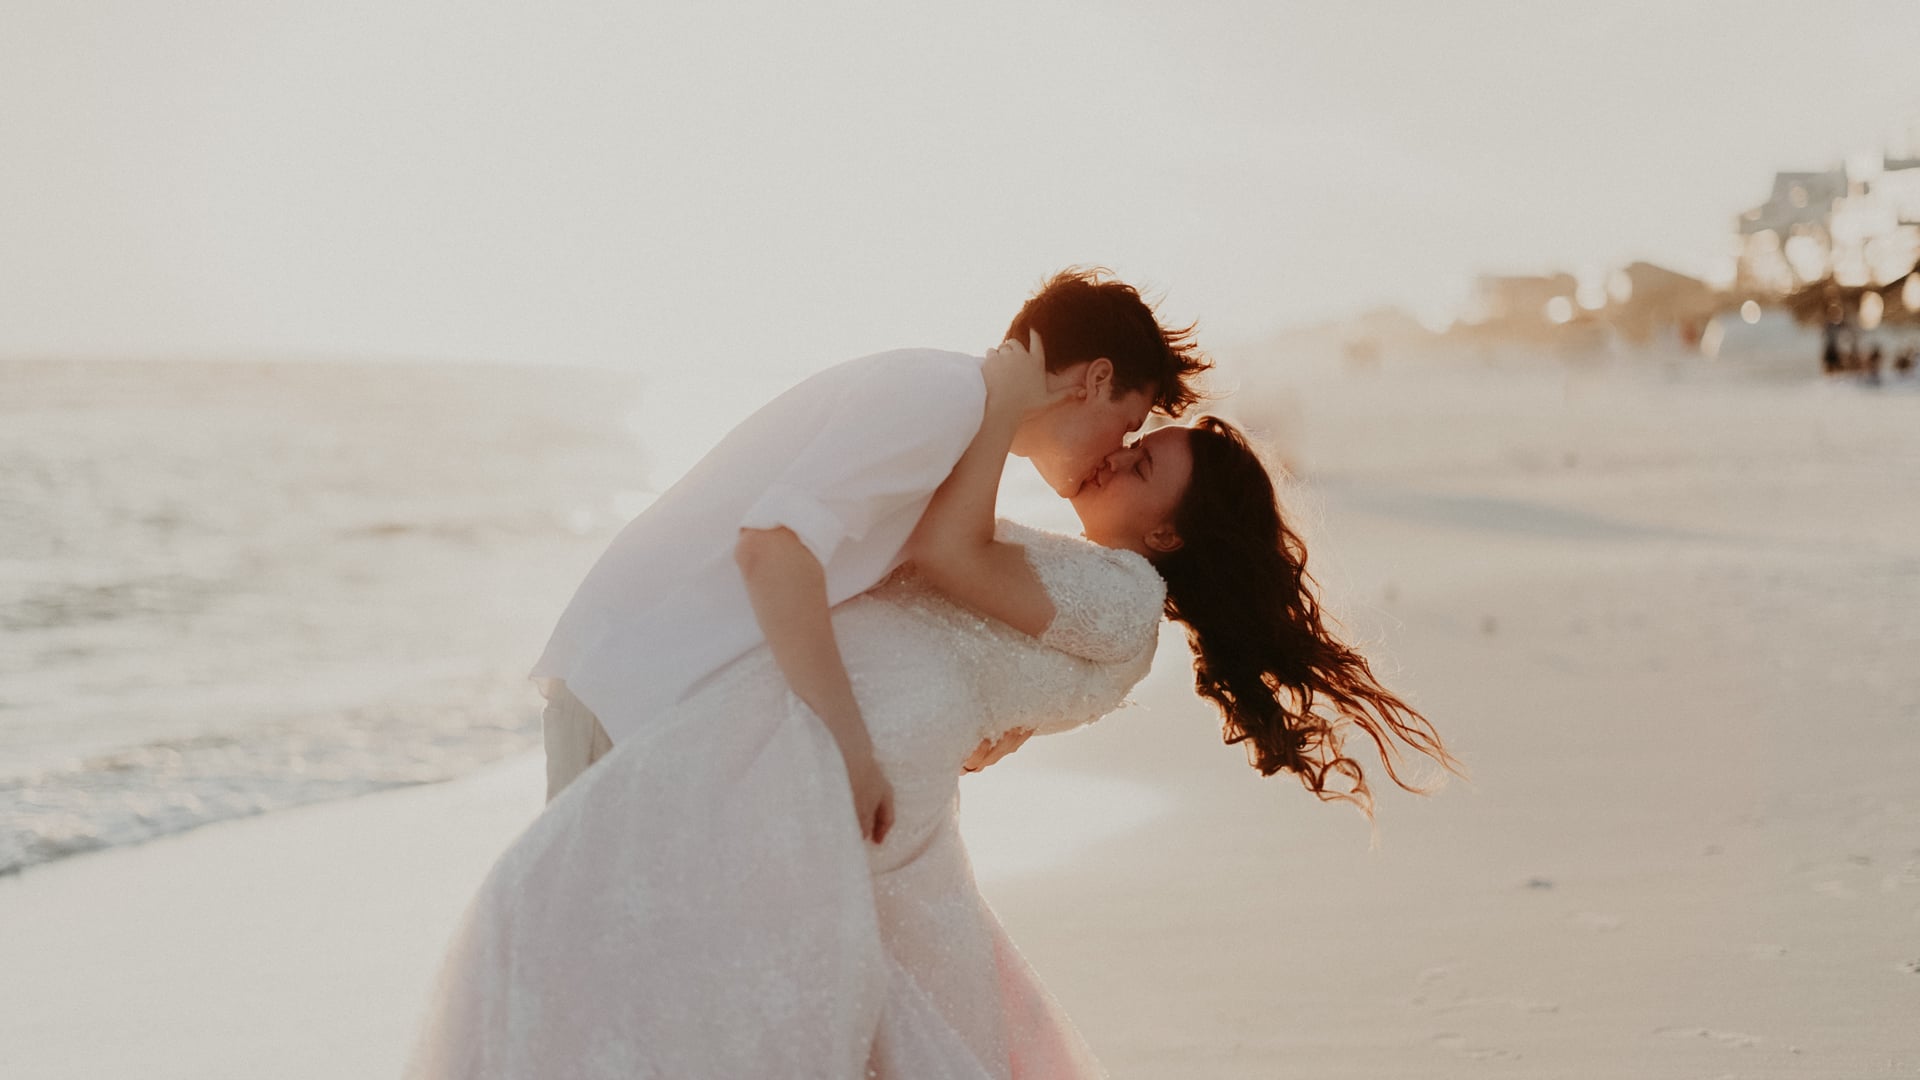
(992, 750)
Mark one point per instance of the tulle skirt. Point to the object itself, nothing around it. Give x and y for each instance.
(701, 903)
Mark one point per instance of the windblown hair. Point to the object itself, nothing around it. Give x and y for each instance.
(1082, 314)
(1284, 684)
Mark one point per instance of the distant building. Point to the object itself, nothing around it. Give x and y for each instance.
(1799, 200)
(1661, 299)
(1787, 241)
(1899, 184)
(1858, 230)
(1520, 300)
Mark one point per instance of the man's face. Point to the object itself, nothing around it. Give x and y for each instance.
(1069, 442)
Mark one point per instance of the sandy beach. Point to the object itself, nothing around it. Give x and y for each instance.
(1669, 626)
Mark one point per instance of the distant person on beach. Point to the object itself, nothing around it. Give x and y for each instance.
(764, 876)
(1830, 351)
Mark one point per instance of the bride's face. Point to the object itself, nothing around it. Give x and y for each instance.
(1129, 501)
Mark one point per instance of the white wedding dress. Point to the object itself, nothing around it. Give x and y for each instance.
(700, 903)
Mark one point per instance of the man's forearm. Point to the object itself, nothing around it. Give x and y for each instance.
(788, 590)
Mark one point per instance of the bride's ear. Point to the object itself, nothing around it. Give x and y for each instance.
(1163, 540)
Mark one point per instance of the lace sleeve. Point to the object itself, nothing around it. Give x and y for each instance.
(1106, 602)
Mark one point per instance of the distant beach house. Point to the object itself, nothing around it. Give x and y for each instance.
(1857, 230)
(1642, 301)
(1520, 304)
(1799, 199)
(1658, 299)
(1898, 185)
(1788, 240)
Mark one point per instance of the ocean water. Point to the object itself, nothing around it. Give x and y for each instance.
(228, 588)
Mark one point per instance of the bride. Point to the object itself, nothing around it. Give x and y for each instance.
(702, 903)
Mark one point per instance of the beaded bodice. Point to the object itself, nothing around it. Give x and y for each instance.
(1106, 615)
(934, 679)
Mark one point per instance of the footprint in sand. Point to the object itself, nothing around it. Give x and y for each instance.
(1458, 1044)
(1733, 1040)
(1517, 1004)
(1839, 890)
(1425, 980)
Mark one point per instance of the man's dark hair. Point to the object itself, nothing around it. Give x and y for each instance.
(1083, 314)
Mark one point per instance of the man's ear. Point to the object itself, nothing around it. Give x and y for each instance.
(1098, 379)
(1164, 541)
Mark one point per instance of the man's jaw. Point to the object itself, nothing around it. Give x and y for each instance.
(1095, 478)
(1075, 482)
(1092, 478)
(1066, 488)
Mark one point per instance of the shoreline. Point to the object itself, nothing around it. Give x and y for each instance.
(345, 907)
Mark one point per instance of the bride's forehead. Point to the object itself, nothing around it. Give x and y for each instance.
(1166, 436)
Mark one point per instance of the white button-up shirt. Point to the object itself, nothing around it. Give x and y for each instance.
(847, 459)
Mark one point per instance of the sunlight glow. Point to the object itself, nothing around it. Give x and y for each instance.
(1871, 310)
(1712, 338)
(1807, 257)
(599, 184)
(1619, 287)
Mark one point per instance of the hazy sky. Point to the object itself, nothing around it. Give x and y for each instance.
(774, 186)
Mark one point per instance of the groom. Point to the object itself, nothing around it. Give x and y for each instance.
(809, 502)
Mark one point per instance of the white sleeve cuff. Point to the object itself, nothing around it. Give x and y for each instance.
(790, 508)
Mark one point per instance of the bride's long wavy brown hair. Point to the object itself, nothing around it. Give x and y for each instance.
(1285, 685)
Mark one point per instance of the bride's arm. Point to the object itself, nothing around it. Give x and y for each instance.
(953, 546)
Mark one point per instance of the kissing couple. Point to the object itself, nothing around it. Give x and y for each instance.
(762, 697)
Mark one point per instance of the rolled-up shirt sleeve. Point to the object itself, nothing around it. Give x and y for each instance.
(889, 443)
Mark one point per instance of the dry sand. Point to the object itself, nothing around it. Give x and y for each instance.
(1673, 629)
